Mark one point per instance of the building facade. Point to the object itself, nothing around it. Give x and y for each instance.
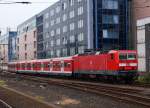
(143, 43)
(71, 26)
(26, 40)
(4, 44)
(139, 10)
(140, 32)
(12, 46)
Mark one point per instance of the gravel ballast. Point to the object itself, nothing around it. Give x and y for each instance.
(62, 96)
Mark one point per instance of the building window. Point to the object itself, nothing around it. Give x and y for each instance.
(47, 35)
(71, 14)
(52, 33)
(52, 12)
(57, 20)
(64, 40)
(72, 26)
(71, 2)
(110, 19)
(64, 17)
(25, 46)
(80, 10)
(52, 43)
(25, 37)
(34, 44)
(110, 33)
(64, 52)
(46, 45)
(52, 53)
(58, 42)
(34, 34)
(18, 40)
(25, 56)
(58, 53)
(18, 48)
(72, 39)
(46, 16)
(58, 31)
(80, 24)
(46, 25)
(64, 29)
(34, 54)
(110, 4)
(64, 6)
(80, 37)
(58, 9)
(72, 51)
(52, 22)
(80, 49)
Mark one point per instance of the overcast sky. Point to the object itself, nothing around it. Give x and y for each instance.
(12, 15)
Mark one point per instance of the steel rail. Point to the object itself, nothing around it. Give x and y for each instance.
(4, 104)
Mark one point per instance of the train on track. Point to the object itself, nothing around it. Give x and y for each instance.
(120, 64)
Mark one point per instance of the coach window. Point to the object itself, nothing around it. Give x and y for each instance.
(23, 66)
(33, 65)
(28, 65)
(45, 65)
(49, 65)
(67, 65)
(39, 65)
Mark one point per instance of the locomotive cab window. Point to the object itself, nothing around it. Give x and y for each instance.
(123, 56)
(131, 56)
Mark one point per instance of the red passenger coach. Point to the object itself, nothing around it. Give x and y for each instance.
(113, 63)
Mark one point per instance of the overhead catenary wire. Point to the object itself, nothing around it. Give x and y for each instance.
(23, 2)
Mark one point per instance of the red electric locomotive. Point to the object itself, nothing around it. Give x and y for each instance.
(122, 63)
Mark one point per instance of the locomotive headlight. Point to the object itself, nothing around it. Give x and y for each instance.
(122, 64)
(133, 64)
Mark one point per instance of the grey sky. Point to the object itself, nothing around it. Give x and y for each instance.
(13, 14)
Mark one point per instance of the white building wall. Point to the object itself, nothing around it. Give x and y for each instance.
(141, 43)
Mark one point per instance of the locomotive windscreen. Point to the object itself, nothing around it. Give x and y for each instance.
(127, 56)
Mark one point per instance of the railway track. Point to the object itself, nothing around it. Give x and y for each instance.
(4, 104)
(10, 98)
(14, 99)
(121, 93)
(128, 94)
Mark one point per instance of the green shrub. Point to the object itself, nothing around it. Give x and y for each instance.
(144, 78)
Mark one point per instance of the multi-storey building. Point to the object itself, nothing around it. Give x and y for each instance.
(143, 44)
(70, 26)
(139, 10)
(140, 34)
(12, 46)
(4, 40)
(26, 40)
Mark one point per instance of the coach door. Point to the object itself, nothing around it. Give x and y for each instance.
(51, 66)
(62, 66)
